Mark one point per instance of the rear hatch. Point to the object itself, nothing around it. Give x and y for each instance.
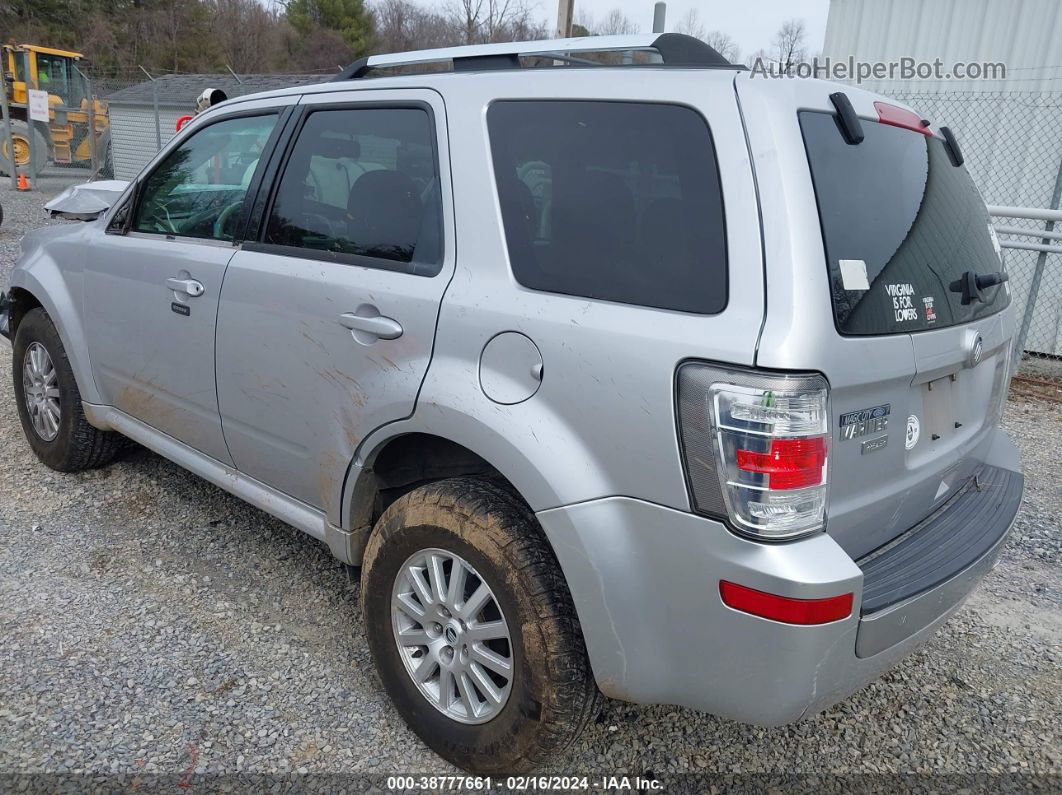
(917, 375)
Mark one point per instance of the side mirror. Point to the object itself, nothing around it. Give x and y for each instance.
(209, 98)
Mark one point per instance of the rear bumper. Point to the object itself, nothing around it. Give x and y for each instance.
(645, 581)
(915, 579)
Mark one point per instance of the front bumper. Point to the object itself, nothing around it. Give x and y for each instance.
(645, 582)
(5, 315)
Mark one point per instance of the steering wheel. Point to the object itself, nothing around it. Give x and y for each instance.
(165, 224)
(223, 218)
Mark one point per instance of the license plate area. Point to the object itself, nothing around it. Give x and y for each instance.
(940, 406)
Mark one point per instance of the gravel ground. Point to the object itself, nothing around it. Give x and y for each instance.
(150, 622)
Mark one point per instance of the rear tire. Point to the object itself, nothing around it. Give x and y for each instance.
(550, 693)
(45, 387)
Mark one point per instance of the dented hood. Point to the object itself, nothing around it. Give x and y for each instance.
(86, 201)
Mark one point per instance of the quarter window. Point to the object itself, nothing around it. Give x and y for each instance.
(198, 190)
(611, 200)
(361, 186)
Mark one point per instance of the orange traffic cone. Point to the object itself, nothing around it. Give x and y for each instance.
(23, 183)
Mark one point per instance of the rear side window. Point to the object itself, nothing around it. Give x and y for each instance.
(361, 185)
(611, 200)
(900, 223)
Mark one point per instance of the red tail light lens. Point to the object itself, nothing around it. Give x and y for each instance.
(784, 609)
(790, 464)
(901, 117)
(757, 448)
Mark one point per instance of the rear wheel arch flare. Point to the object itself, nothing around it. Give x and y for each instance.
(401, 463)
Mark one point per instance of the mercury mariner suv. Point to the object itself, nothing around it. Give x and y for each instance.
(617, 370)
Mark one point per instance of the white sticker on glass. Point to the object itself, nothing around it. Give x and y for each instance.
(903, 306)
(854, 274)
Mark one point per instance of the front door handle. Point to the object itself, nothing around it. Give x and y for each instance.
(188, 286)
(384, 328)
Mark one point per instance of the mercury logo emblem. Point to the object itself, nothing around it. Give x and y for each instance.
(978, 349)
(451, 635)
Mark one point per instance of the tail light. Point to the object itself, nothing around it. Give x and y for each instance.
(756, 448)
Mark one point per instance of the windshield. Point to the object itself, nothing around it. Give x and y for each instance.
(900, 224)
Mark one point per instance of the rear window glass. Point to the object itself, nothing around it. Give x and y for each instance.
(900, 223)
(611, 200)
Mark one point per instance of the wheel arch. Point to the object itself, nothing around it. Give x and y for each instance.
(46, 288)
(396, 464)
(406, 454)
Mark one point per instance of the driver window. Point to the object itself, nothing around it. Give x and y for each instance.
(198, 190)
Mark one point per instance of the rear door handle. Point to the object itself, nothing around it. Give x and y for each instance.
(385, 328)
(188, 286)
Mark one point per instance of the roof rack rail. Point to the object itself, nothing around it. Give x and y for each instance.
(675, 49)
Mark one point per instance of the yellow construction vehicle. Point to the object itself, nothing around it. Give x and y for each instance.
(77, 131)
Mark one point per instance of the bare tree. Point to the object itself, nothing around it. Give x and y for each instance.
(760, 55)
(320, 50)
(691, 25)
(403, 25)
(789, 45)
(479, 21)
(248, 35)
(723, 44)
(615, 23)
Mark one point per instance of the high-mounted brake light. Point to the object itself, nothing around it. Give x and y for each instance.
(901, 117)
(756, 447)
(783, 608)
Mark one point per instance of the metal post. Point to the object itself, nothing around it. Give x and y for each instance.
(565, 9)
(155, 102)
(94, 156)
(1038, 274)
(659, 17)
(7, 126)
(29, 119)
(93, 143)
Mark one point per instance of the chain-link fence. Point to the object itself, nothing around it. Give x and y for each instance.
(1012, 143)
(110, 125)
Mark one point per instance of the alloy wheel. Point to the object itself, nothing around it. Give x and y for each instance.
(452, 636)
(40, 387)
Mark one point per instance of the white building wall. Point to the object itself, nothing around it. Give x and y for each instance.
(133, 141)
(1026, 35)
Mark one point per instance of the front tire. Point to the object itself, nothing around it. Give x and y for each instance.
(30, 149)
(49, 403)
(472, 627)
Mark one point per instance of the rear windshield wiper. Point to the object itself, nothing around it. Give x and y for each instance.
(970, 284)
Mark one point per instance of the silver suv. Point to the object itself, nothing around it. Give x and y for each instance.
(616, 370)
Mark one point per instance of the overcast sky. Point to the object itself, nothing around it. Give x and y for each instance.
(752, 23)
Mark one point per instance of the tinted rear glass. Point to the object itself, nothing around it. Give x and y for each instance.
(900, 223)
(611, 200)
(362, 183)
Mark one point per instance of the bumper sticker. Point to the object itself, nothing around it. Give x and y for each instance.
(903, 306)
